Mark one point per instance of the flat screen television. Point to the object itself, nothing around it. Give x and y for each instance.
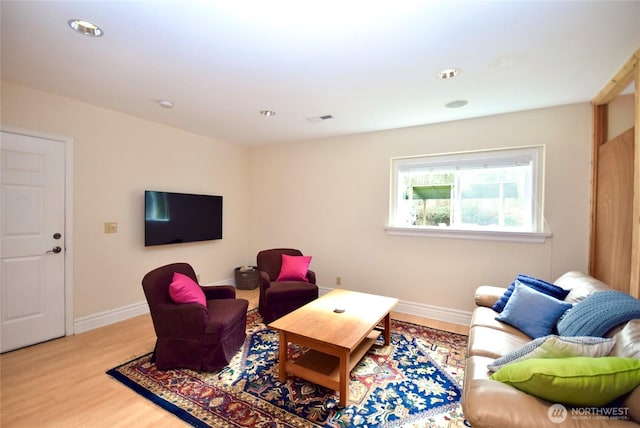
(171, 218)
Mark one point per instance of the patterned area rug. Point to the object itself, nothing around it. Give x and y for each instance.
(414, 382)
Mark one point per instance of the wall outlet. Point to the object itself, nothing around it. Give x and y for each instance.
(338, 280)
(111, 227)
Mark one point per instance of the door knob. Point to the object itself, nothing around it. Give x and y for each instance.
(55, 250)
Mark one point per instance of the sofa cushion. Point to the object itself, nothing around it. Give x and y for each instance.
(632, 403)
(535, 283)
(553, 346)
(576, 381)
(486, 317)
(580, 285)
(492, 343)
(532, 312)
(490, 404)
(628, 341)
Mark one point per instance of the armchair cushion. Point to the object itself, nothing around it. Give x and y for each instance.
(294, 268)
(185, 290)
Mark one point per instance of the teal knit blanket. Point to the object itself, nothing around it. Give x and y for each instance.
(598, 313)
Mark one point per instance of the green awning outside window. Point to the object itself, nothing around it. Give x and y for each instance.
(475, 191)
(432, 192)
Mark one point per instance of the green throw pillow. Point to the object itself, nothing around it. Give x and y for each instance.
(576, 381)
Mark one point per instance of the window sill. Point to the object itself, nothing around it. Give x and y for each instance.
(482, 235)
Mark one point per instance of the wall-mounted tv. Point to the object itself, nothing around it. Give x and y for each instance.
(171, 218)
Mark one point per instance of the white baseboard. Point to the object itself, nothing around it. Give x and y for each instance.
(439, 313)
(454, 316)
(103, 319)
(228, 281)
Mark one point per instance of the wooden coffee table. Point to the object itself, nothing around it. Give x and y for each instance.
(336, 340)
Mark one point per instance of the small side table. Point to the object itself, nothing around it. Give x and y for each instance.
(247, 279)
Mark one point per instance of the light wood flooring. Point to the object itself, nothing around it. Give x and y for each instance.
(62, 383)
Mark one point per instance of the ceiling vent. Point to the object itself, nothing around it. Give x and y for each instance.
(320, 118)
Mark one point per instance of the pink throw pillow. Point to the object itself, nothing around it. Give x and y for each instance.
(294, 268)
(185, 290)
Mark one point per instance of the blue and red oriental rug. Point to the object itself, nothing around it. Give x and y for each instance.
(414, 382)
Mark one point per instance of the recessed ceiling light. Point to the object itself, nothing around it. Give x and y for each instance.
(456, 104)
(166, 103)
(448, 73)
(267, 113)
(85, 27)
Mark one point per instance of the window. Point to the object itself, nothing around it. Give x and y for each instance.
(475, 192)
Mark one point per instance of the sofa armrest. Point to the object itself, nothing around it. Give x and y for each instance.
(214, 292)
(311, 276)
(264, 278)
(487, 295)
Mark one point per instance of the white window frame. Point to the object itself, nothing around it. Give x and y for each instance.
(533, 154)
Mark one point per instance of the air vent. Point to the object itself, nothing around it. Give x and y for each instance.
(456, 104)
(320, 118)
(448, 73)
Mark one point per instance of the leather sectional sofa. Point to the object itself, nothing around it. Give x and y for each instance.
(490, 403)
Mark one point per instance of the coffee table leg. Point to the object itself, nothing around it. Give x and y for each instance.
(344, 378)
(284, 355)
(387, 329)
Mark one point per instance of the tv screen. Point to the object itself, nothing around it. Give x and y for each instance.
(172, 218)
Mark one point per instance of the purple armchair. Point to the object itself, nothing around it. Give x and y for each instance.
(278, 298)
(190, 335)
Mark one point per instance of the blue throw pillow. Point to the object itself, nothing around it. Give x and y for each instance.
(532, 312)
(598, 313)
(535, 283)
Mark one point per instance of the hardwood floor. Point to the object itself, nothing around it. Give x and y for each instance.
(62, 383)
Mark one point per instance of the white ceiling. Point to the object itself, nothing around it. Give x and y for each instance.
(370, 64)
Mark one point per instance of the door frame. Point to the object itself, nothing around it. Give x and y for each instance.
(68, 217)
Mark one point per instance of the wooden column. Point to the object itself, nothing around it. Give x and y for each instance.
(600, 132)
(630, 72)
(634, 286)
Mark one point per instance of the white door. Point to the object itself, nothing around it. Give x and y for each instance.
(32, 180)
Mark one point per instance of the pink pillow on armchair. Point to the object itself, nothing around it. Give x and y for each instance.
(294, 268)
(185, 290)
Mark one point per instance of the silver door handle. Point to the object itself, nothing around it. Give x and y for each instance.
(55, 250)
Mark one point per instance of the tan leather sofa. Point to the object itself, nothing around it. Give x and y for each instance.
(488, 403)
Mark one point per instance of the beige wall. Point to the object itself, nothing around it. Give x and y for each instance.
(117, 157)
(330, 199)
